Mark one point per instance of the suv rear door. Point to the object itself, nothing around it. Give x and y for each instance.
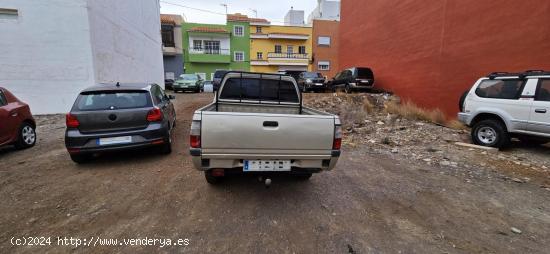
(102, 111)
(539, 120)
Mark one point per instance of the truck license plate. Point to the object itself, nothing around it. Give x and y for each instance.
(266, 166)
(115, 140)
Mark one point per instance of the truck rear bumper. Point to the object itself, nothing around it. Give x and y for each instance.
(205, 162)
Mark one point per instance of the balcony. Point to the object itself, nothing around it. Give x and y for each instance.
(209, 55)
(283, 58)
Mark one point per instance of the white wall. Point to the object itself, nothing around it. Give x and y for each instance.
(126, 41)
(45, 54)
(325, 10)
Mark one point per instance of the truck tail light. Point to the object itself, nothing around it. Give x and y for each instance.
(154, 115)
(71, 121)
(337, 143)
(195, 135)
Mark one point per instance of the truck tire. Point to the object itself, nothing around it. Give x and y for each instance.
(303, 176)
(462, 100)
(212, 179)
(490, 133)
(26, 136)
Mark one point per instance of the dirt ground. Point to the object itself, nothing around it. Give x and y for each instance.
(376, 200)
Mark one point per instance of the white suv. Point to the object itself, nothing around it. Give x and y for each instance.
(504, 105)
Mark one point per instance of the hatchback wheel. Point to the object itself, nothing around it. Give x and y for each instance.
(167, 147)
(490, 133)
(81, 158)
(27, 136)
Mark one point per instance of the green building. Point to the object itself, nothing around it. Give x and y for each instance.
(210, 47)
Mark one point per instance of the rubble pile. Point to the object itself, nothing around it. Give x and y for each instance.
(367, 123)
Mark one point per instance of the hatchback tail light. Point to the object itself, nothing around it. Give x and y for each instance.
(195, 135)
(154, 115)
(71, 121)
(337, 142)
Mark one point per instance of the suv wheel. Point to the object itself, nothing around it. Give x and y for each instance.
(347, 88)
(211, 179)
(26, 137)
(490, 133)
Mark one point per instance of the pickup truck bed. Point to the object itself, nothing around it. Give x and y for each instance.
(231, 133)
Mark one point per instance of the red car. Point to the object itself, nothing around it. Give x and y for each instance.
(17, 125)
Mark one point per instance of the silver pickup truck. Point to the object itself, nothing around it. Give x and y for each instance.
(258, 125)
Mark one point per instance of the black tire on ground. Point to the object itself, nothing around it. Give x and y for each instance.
(303, 176)
(490, 132)
(166, 148)
(533, 141)
(347, 89)
(212, 179)
(26, 136)
(81, 158)
(461, 101)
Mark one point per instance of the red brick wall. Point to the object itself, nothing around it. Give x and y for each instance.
(324, 53)
(432, 51)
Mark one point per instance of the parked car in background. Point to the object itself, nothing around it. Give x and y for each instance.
(216, 80)
(258, 125)
(311, 81)
(188, 82)
(293, 74)
(356, 78)
(169, 84)
(504, 105)
(111, 117)
(17, 126)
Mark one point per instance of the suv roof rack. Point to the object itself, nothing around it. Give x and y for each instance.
(521, 75)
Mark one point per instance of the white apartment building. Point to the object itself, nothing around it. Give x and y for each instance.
(51, 50)
(325, 10)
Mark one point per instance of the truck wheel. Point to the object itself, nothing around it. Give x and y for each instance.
(303, 176)
(490, 133)
(81, 158)
(26, 137)
(212, 179)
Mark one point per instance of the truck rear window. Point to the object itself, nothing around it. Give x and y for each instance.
(259, 89)
(103, 100)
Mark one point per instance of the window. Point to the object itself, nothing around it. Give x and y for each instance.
(212, 47)
(3, 100)
(102, 100)
(168, 35)
(500, 89)
(259, 55)
(543, 90)
(259, 29)
(197, 44)
(238, 31)
(289, 49)
(8, 13)
(302, 49)
(323, 41)
(323, 65)
(256, 89)
(278, 49)
(239, 56)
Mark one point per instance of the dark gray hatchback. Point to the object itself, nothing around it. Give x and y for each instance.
(111, 117)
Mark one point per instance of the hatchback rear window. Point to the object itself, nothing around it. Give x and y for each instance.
(259, 89)
(103, 100)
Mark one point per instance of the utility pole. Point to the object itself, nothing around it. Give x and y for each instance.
(224, 5)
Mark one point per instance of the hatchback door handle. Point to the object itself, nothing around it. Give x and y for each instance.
(271, 124)
(541, 111)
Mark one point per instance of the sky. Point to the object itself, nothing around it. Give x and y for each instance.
(272, 10)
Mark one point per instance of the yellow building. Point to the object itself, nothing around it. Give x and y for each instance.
(276, 48)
